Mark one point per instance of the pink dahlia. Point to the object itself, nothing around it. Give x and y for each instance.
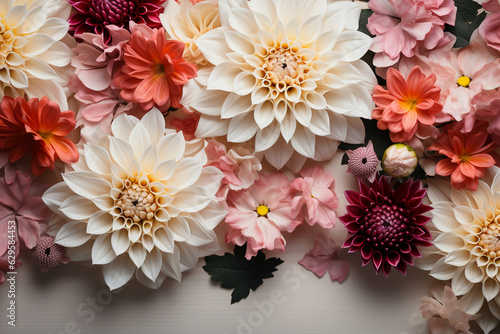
(259, 214)
(402, 26)
(387, 225)
(363, 162)
(49, 254)
(154, 72)
(96, 15)
(316, 197)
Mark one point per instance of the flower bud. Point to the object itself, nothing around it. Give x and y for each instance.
(399, 160)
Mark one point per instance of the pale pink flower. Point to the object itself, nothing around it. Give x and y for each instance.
(240, 167)
(316, 198)
(461, 74)
(402, 26)
(363, 162)
(20, 201)
(323, 257)
(487, 105)
(492, 6)
(444, 312)
(490, 27)
(48, 254)
(259, 214)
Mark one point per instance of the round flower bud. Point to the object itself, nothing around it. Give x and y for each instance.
(399, 160)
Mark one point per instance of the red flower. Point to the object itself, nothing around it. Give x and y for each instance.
(37, 127)
(467, 155)
(154, 72)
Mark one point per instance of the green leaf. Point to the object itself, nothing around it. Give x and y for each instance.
(238, 273)
(464, 27)
(467, 9)
(363, 21)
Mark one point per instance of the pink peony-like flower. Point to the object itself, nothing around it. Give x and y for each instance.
(403, 26)
(97, 15)
(492, 6)
(444, 312)
(490, 30)
(487, 105)
(408, 107)
(387, 225)
(316, 198)
(20, 201)
(239, 166)
(363, 162)
(323, 257)
(49, 254)
(467, 155)
(461, 74)
(259, 214)
(154, 72)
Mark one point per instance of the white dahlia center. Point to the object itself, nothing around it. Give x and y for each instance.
(137, 203)
(283, 67)
(489, 240)
(6, 42)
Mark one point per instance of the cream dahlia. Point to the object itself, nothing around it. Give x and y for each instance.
(138, 203)
(287, 73)
(466, 227)
(31, 52)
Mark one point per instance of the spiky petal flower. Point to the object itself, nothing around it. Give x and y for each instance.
(287, 73)
(387, 225)
(466, 230)
(31, 53)
(139, 203)
(363, 162)
(95, 15)
(49, 254)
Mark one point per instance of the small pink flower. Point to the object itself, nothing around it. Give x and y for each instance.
(259, 214)
(402, 26)
(239, 166)
(49, 254)
(444, 312)
(21, 202)
(363, 162)
(323, 258)
(316, 197)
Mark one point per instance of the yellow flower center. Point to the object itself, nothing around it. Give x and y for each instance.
(463, 81)
(489, 240)
(410, 104)
(45, 135)
(137, 203)
(159, 70)
(262, 210)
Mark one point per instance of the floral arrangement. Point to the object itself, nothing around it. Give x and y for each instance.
(139, 135)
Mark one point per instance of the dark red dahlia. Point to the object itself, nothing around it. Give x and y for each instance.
(387, 224)
(95, 15)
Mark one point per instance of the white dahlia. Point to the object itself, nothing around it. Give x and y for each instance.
(31, 53)
(466, 228)
(287, 73)
(138, 202)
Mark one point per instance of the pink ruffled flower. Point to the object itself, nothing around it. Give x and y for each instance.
(95, 65)
(239, 166)
(487, 105)
(20, 201)
(259, 214)
(323, 257)
(402, 26)
(316, 198)
(492, 6)
(444, 313)
(461, 74)
(490, 28)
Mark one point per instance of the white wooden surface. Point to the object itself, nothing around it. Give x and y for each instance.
(73, 299)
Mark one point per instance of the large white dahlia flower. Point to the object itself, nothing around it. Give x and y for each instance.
(466, 228)
(287, 73)
(138, 203)
(31, 53)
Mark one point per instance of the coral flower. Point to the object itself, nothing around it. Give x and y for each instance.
(387, 224)
(37, 127)
(154, 72)
(467, 155)
(408, 107)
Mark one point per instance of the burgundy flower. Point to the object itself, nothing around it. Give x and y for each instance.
(387, 224)
(95, 15)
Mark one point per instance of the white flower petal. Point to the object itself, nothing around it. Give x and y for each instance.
(120, 241)
(121, 151)
(152, 265)
(304, 141)
(235, 105)
(180, 228)
(187, 172)
(154, 122)
(240, 19)
(149, 159)
(171, 147)
(56, 195)
(447, 242)
(139, 139)
(191, 199)
(72, 234)
(102, 251)
(472, 301)
(279, 154)
(137, 254)
(97, 159)
(211, 127)
(442, 271)
(222, 77)
(119, 272)
(267, 137)
(352, 44)
(241, 128)
(86, 183)
(264, 114)
(171, 265)
(320, 123)
(164, 240)
(99, 223)
(77, 208)
(474, 273)
(213, 45)
(458, 257)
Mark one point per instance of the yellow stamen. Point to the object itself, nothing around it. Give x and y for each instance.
(262, 210)
(463, 81)
(409, 104)
(45, 135)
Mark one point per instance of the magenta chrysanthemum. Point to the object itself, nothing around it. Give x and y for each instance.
(387, 224)
(363, 162)
(49, 254)
(95, 15)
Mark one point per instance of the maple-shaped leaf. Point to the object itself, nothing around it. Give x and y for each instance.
(238, 273)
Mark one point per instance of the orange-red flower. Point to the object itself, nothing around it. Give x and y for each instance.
(154, 72)
(408, 107)
(467, 155)
(37, 127)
